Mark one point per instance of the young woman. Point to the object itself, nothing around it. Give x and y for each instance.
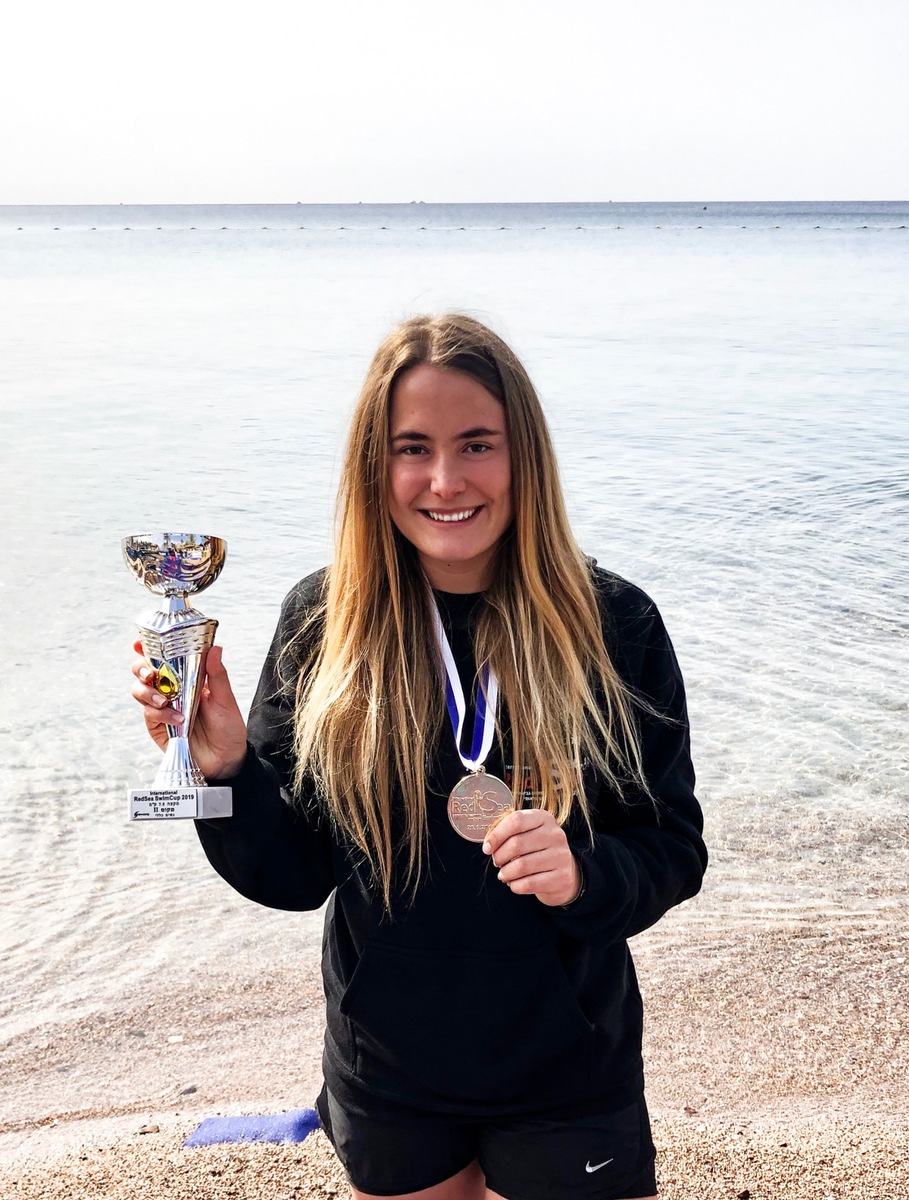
(474, 743)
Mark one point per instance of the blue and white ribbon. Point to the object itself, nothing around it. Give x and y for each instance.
(484, 722)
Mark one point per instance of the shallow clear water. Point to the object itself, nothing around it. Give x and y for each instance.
(727, 390)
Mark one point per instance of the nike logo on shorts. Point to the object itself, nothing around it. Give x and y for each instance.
(590, 1170)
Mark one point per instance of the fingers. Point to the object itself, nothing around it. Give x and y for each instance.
(143, 672)
(554, 877)
(533, 856)
(218, 682)
(217, 694)
(519, 832)
(159, 710)
(214, 663)
(527, 872)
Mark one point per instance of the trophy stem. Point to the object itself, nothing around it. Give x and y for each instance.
(177, 768)
(175, 602)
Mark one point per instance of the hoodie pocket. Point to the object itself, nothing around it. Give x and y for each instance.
(469, 1026)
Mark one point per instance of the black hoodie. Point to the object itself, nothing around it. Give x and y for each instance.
(470, 999)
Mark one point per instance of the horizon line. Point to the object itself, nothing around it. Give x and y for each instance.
(410, 203)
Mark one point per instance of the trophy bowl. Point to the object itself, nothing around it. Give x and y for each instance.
(175, 564)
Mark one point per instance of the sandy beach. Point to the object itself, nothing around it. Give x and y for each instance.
(777, 1067)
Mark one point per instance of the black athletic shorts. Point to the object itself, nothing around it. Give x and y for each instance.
(603, 1157)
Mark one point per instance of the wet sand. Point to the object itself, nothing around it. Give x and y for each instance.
(776, 1060)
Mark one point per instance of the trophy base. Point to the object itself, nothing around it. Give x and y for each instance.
(174, 804)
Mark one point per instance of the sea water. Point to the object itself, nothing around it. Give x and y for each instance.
(727, 389)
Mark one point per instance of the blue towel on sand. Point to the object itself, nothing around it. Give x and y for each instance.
(277, 1127)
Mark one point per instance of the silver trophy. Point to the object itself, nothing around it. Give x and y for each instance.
(175, 639)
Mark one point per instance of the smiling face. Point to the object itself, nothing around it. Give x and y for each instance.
(449, 474)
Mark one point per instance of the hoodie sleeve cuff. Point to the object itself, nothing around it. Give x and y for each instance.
(603, 909)
(255, 791)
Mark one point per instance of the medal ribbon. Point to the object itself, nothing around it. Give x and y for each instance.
(484, 722)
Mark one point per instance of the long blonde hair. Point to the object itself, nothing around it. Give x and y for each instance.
(369, 698)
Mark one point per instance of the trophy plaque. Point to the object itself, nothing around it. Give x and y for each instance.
(175, 639)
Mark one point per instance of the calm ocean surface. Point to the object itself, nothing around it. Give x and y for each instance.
(727, 387)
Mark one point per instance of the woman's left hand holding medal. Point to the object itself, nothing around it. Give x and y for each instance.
(533, 856)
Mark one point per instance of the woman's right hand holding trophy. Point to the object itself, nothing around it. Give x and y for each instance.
(218, 737)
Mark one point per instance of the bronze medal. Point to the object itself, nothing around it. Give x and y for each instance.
(476, 803)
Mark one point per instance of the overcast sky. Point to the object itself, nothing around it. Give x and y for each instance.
(398, 100)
